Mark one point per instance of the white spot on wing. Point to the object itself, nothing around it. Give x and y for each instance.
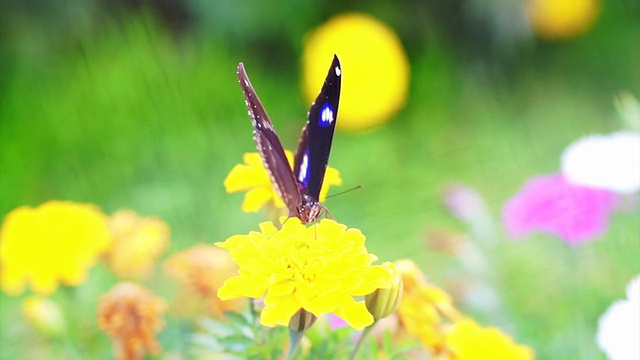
(304, 168)
(338, 71)
(326, 115)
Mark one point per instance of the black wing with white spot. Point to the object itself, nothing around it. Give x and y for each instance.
(269, 146)
(312, 156)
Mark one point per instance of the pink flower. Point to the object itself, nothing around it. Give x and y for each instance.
(550, 204)
(335, 322)
(464, 202)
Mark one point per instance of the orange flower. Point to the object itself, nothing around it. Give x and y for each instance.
(137, 243)
(131, 316)
(424, 308)
(561, 19)
(428, 313)
(201, 271)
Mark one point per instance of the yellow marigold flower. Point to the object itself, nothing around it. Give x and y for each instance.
(466, 340)
(561, 19)
(424, 307)
(318, 268)
(200, 271)
(54, 243)
(374, 63)
(137, 244)
(44, 315)
(253, 176)
(131, 316)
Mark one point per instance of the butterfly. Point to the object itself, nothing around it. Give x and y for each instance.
(298, 188)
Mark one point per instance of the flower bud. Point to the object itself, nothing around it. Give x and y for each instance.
(301, 321)
(44, 315)
(384, 301)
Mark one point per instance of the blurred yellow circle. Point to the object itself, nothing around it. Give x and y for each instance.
(561, 19)
(374, 64)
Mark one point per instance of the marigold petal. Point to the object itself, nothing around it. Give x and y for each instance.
(239, 247)
(11, 282)
(331, 178)
(282, 288)
(253, 158)
(322, 303)
(374, 277)
(467, 340)
(355, 313)
(268, 228)
(237, 179)
(42, 285)
(239, 286)
(278, 310)
(255, 199)
(254, 178)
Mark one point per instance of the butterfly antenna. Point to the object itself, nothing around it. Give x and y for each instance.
(285, 221)
(357, 187)
(327, 213)
(280, 227)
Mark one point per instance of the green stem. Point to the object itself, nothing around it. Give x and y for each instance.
(253, 312)
(71, 352)
(365, 333)
(294, 342)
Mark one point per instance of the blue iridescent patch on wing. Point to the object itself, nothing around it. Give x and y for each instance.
(305, 170)
(327, 115)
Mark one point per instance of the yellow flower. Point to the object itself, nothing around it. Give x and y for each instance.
(466, 340)
(560, 19)
(424, 308)
(131, 316)
(201, 270)
(137, 243)
(427, 313)
(55, 242)
(318, 268)
(253, 176)
(44, 315)
(375, 67)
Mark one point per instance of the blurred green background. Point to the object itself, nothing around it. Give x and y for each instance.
(135, 104)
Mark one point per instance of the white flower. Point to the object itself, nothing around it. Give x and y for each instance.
(610, 162)
(619, 326)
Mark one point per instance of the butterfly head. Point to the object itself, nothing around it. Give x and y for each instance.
(309, 210)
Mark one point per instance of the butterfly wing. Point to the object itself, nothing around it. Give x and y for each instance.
(312, 156)
(269, 146)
